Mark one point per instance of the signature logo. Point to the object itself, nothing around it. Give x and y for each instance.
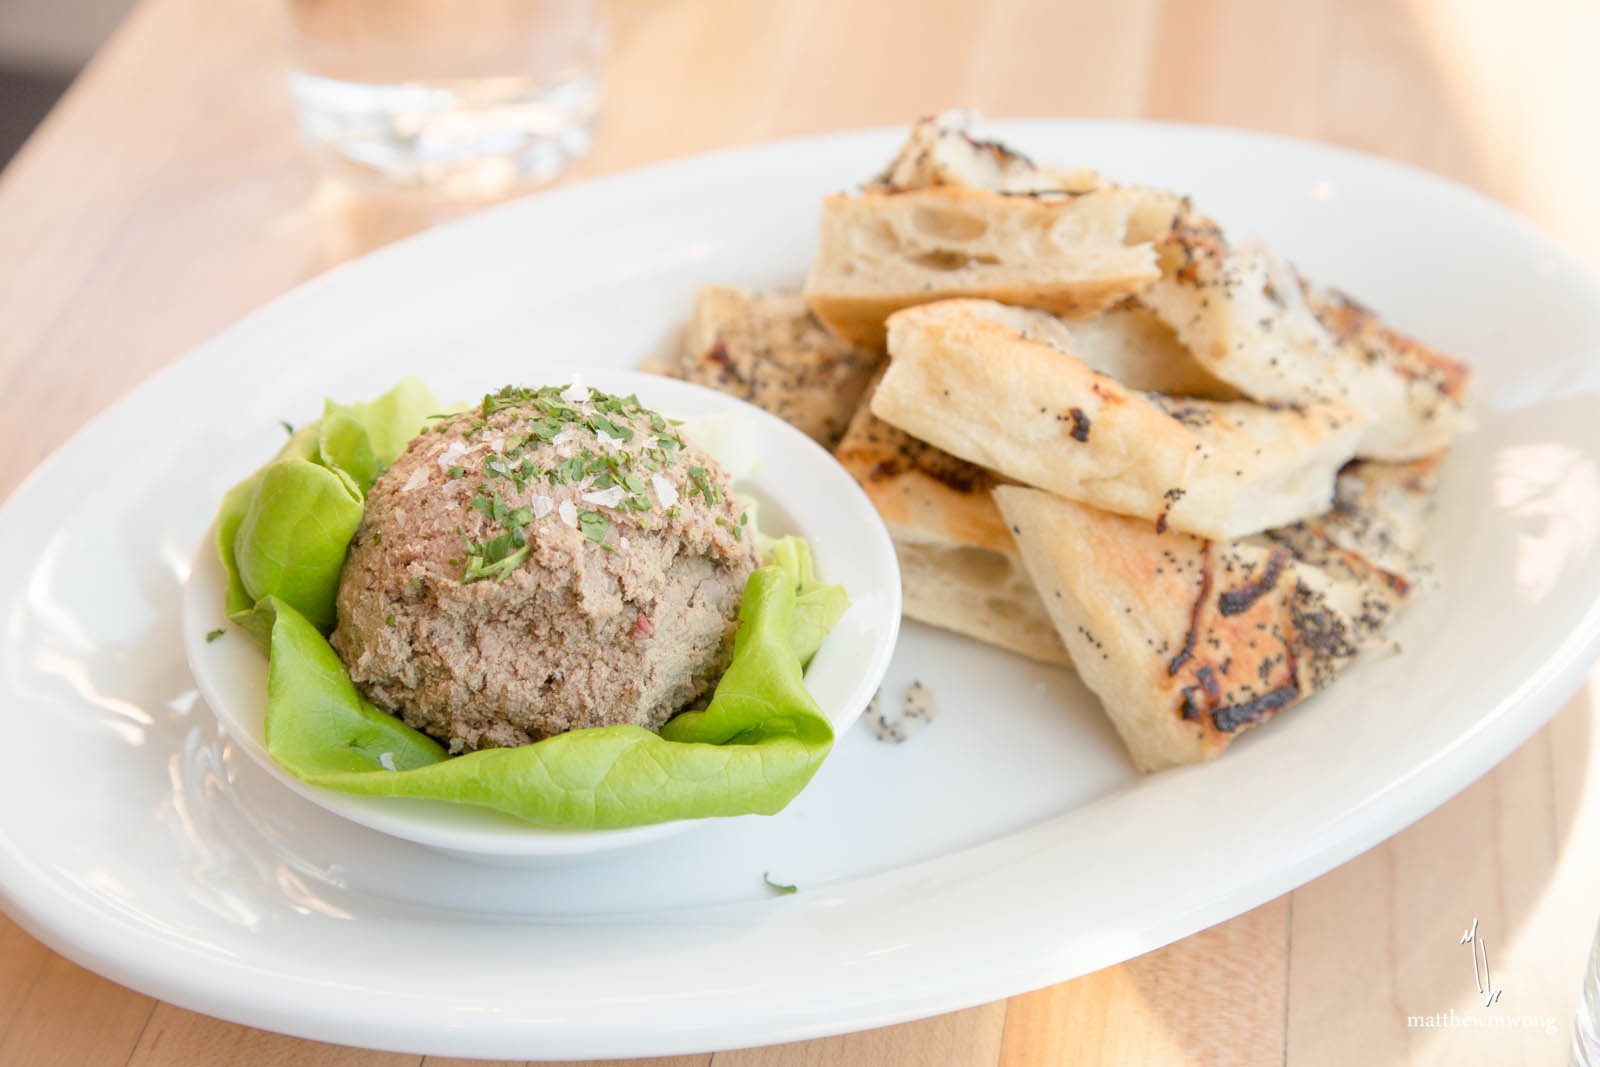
(1480, 964)
(1484, 981)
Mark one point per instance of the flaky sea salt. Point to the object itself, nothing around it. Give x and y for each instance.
(452, 455)
(606, 498)
(542, 506)
(418, 479)
(569, 513)
(576, 393)
(386, 760)
(666, 495)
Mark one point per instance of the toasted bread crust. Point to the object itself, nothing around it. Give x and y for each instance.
(977, 388)
(960, 568)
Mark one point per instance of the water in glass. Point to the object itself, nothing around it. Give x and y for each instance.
(463, 96)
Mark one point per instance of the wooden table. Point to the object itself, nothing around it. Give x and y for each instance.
(168, 195)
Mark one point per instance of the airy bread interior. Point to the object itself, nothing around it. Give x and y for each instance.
(880, 252)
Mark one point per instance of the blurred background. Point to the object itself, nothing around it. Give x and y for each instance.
(43, 45)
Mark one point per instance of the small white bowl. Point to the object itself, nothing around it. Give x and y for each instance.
(800, 489)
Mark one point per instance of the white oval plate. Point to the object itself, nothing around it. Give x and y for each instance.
(1007, 846)
(824, 505)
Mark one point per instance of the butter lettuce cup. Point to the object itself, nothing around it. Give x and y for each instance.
(573, 615)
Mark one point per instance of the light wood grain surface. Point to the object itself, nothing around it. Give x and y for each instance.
(167, 196)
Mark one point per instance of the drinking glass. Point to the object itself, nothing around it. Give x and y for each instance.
(461, 96)
(1586, 1030)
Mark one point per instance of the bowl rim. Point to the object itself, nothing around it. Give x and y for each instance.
(471, 831)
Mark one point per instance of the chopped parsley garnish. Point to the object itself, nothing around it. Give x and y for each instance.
(288, 427)
(700, 482)
(522, 420)
(594, 525)
(498, 556)
(778, 887)
(601, 424)
(478, 567)
(212, 635)
(569, 470)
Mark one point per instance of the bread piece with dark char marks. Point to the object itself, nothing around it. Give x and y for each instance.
(1188, 642)
(1371, 540)
(1252, 321)
(960, 568)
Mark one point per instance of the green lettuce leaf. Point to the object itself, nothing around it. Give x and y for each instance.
(817, 606)
(291, 541)
(752, 749)
(392, 420)
(283, 531)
